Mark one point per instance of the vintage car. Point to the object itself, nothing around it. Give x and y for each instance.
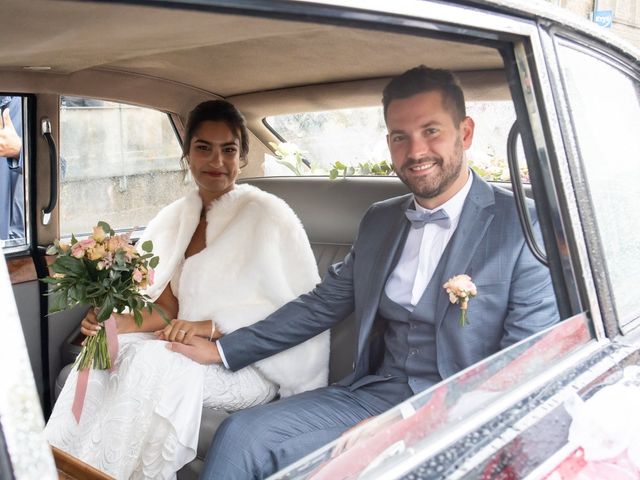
(104, 89)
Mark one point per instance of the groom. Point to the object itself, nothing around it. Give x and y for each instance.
(409, 335)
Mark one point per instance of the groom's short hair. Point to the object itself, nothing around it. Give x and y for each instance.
(423, 79)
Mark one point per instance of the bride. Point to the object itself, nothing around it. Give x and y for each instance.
(229, 255)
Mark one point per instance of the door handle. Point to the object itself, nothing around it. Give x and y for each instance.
(53, 174)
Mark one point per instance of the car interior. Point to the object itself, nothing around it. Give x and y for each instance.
(89, 72)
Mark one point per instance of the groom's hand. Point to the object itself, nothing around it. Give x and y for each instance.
(198, 349)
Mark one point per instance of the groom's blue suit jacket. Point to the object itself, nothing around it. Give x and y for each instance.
(515, 297)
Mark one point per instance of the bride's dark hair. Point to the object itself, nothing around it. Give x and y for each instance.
(217, 111)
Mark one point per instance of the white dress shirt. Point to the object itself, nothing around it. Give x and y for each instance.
(422, 251)
(420, 256)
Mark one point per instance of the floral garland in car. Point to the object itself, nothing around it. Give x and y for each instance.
(294, 159)
(289, 155)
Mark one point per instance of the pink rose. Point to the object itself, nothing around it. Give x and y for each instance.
(137, 276)
(87, 243)
(151, 275)
(77, 250)
(460, 290)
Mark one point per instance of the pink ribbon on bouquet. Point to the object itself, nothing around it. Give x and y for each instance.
(111, 332)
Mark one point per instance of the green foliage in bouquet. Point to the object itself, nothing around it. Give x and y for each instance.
(106, 272)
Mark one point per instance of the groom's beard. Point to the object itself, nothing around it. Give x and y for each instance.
(431, 186)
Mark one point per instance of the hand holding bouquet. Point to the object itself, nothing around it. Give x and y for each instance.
(104, 271)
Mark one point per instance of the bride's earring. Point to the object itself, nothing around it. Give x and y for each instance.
(187, 178)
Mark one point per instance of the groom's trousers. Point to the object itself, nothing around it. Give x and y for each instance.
(254, 443)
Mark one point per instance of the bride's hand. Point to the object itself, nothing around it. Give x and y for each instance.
(184, 331)
(198, 349)
(89, 325)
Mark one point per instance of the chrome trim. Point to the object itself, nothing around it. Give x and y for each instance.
(45, 125)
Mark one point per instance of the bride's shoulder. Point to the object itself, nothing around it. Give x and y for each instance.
(270, 205)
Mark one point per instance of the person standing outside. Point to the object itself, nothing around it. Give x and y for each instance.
(11, 169)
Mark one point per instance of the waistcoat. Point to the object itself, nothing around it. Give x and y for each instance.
(410, 337)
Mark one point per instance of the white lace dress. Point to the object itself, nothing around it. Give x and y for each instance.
(142, 419)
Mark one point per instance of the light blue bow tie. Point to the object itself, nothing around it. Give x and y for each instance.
(419, 219)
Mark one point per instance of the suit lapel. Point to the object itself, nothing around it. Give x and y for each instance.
(476, 216)
(390, 249)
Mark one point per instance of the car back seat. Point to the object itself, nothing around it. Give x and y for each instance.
(330, 211)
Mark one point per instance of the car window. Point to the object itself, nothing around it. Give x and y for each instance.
(12, 171)
(119, 163)
(606, 109)
(408, 437)
(353, 142)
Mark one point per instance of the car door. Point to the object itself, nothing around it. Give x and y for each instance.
(19, 232)
(83, 160)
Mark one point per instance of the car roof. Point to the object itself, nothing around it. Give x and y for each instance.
(224, 54)
(227, 55)
(173, 58)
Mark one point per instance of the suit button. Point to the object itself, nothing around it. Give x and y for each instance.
(413, 351)
(387, 375)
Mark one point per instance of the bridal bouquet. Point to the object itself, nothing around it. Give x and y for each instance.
(104, 271)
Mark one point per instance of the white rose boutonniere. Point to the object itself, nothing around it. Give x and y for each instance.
(460, 290)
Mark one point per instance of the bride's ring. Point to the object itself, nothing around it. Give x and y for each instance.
(181, 331)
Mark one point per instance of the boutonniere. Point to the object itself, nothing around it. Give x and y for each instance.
(460, 290)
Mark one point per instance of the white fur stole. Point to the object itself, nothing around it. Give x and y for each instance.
(257, 258)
